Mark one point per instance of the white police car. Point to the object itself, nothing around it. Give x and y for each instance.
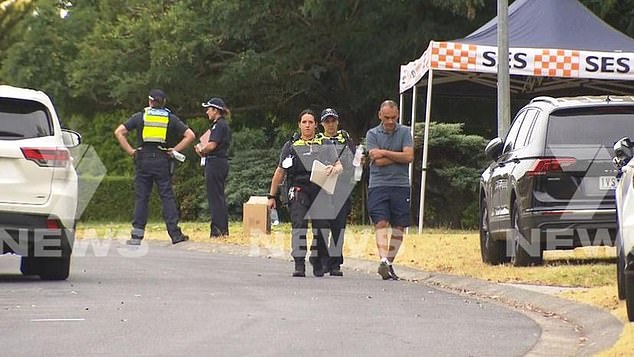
(38, 183)
(623, 154)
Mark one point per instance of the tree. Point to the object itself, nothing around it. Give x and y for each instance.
(619, 14)
(11, 13)
(268, 58)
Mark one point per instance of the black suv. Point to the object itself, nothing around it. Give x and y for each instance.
(551, 185)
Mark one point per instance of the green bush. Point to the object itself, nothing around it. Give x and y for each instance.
(113, 200)
(455, 161)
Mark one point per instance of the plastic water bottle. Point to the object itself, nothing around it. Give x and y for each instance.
(274, 218)
(356, 162)
(178, 156)
(358, 154)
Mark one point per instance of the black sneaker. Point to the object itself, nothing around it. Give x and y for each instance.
(391, 273)
(384, 270)
(133, 241)
(182, 238)
(336, 271)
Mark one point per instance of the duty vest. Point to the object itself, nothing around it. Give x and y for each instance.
(341, 137)
(155, 125)
(341, 140)
(304, 152)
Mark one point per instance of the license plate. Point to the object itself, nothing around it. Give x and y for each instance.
(608, 182)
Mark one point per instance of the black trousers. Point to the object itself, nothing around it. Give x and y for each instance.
(154, 168)
(298, 207)
(216, 171)
(337, 230)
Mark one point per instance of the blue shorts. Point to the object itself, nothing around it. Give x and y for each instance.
(390, 204)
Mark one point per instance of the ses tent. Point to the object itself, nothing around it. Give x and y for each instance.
(555, 47)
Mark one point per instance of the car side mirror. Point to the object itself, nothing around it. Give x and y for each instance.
(71, 138)
(622, 152)
(493, 150)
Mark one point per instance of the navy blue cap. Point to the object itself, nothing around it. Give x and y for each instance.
(329, 112)
(157, 94)
(217, 103)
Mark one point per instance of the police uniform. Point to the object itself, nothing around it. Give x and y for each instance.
(341, 199)
(155, 127)
(216, 172)
(300, 155)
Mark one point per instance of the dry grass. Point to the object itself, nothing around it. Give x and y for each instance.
(453, 252)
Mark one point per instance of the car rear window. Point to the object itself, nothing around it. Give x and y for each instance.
(590, 126)
(23, 119)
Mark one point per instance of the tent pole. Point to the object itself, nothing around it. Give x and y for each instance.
(401, 103)
(423, 174)
(412, 123)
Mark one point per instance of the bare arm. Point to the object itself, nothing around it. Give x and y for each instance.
(188, 138)
(278, 176)
(382, 157)
(205, 149)
(121, 133)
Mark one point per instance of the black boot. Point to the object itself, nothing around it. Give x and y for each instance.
(318, 270)
(336, 271)
(318, 266)
(300, 269)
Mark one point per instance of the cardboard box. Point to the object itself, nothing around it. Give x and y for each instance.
(256, 216)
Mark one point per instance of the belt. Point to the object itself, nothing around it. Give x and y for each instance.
(139, 154)
(216, 157)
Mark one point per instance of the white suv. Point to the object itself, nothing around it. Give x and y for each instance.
(38, 183)
(623, 153)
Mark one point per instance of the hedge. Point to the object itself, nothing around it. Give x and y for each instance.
(113, 199)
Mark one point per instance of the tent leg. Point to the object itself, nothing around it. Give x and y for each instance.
(423, 174)
(412, 124)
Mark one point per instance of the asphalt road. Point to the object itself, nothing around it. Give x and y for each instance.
(169, 301)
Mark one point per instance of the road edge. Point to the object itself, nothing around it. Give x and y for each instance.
(569, 328)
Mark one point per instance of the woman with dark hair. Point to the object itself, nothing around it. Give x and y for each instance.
(296, 161)
(214, 150)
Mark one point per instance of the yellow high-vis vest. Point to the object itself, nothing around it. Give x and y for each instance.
(155, 125)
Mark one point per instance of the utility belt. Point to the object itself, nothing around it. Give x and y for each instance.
(310, 189)
(141, 154)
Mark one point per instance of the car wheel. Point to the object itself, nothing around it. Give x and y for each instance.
(29, 266)
(54, 268)
(520, 255)
(492, 251)
(620, 267)
(628, 287)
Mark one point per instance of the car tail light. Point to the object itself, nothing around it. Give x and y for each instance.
(47, 157)
(52, 224)
(544, 166)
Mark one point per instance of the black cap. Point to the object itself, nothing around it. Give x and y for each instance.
(157, 94)
(329, 112)
(217, 103)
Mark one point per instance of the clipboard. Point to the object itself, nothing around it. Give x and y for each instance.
(319, 177)
(204, 139)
